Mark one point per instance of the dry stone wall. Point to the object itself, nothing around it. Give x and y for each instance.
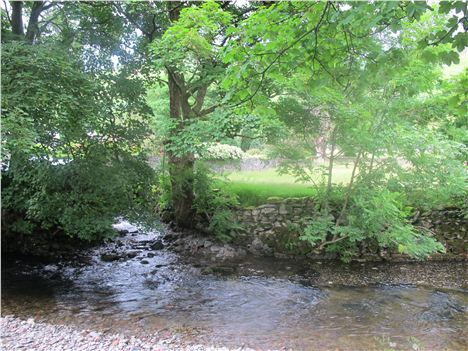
(274, 229)
(450, 227)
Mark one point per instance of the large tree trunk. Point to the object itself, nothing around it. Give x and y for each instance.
(33, 28)
(181, 173)
(17, 18)
(17, 25)
(180, 167)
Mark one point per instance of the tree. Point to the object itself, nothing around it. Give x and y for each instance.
(72, 156)
(189, 52)
(266, 46)
(229, 72)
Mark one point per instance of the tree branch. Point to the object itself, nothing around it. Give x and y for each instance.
(201, 93)
(315, 30)
(209, 110)
(5, 5)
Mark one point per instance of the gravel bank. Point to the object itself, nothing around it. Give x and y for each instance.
(17, 334)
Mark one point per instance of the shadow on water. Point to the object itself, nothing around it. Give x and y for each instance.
(148, 293)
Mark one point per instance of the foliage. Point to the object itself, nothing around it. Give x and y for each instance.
(450, 101)
(214, 203)
(315, 79)
(372, 103)
(163, 188)
(188, 54)
(72, 159)
(380, 217)
(81, 198)
(256, 153)
(190, 40)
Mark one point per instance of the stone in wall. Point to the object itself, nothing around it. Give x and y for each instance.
(274, 228)
(449, 227)
(269, 228)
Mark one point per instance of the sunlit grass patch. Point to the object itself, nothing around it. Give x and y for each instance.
(254, 194)
(255, 187)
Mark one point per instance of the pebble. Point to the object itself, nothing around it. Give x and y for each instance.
(18, 334)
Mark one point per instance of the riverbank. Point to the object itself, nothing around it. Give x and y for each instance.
(20, 334)
(210, 257)
(443, 274)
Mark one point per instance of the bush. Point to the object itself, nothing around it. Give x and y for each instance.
(217, 151)
(81, 198)
(377, 216)
(256, 153)
(72, 160)
(214, 204)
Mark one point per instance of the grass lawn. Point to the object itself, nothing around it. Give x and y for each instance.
(254, 187)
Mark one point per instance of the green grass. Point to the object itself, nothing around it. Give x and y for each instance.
(255, 187)
(251, 194)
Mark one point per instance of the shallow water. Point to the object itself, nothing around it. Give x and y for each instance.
(244, 308)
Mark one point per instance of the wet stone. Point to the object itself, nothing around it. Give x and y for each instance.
(223, 269)
(158, 245)
(110, 257)
(132, 254)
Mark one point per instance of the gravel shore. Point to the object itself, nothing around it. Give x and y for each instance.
(17, 334)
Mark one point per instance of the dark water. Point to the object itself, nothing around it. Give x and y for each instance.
(235, 309)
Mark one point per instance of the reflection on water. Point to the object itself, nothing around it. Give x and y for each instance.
(258, 311)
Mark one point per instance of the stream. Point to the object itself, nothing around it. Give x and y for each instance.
(261, 303)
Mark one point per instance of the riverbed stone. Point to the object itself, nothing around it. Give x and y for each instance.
(110, 257)
(133, 254)
(157, 245)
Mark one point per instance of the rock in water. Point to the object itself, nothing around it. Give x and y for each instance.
(110, 257)
(157, 245)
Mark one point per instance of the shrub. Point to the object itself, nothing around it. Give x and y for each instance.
(378, 216)
(217, 151)
(72, 157)
(214, 204)
(80, 198)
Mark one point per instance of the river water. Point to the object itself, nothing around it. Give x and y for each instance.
(263, 304)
